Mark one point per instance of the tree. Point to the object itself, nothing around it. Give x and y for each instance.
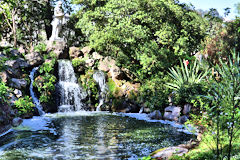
(146, 37)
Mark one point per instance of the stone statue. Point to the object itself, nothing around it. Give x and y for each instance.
(57, 22)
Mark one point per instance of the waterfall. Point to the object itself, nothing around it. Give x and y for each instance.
(99, 77)
(35, 99)
(71, 94)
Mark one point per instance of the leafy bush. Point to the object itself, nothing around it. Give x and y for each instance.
(46, 81)
(3, 91)
(24, 105)
(90, 85)
(41, 47)
(220, 109)
(187, 82)
(78, 62)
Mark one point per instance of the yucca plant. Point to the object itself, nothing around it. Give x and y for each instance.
(187, 81)
(186, 75)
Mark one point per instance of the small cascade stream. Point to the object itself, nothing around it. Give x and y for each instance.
(71, 94)
(35, 99)
(99, 77)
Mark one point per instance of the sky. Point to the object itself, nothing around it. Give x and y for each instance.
(218, 4)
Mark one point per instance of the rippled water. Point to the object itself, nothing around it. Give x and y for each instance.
(87, 135)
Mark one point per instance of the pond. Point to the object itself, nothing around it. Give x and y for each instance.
(87, 135)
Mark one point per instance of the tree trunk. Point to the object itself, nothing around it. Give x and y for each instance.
(14, 29)
(48, 19)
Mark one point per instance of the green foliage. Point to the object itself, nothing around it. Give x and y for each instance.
(90, 85)
(41, 47)
(144, 36)
(24, 105)
(154, 94)
(3, 91)
(78, 62)
(187, 81)
(222, 107)
(47, 80)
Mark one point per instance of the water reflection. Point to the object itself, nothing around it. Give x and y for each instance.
(90, 136)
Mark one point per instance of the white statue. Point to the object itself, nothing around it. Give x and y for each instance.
(57, 22)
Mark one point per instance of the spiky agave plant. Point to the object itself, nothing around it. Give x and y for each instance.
(186, 75)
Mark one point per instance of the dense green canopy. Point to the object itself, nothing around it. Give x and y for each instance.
(143, 35)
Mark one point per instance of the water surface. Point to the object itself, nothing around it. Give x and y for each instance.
(87, 135)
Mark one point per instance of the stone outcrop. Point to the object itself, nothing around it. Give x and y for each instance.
(183, 119)
(155, 115)
(18, 83)
(4, 76)
(172, 113)
(166, 153)
(187, 109)
(59, 48)
(75, 52)
(34, 58)
(86, 50)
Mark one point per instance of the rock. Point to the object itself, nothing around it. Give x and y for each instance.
(13, 72)
(115, 72)
(187, 108)
(4, 76)
(18, 93)
(16, 121)
(22, 63)
(96, 56)
(59, 48)
(106, 64)
(172, 113)
(15, 53)
(183, 119)
(34, 58)
(166, 153)
(155, 115)
(12, 64)
(12, 99)
(89, 62)
(18, 83)
(86, 50)
(74, 52)
(21, 49)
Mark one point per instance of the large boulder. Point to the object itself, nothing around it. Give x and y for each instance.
(155, 115)
(106, 64)
(4, 76)
(183, 119)
(16, 121)
(12, 64)
(172, 113)
(59, 48)
(166, 153)
(89, 62)
(86, 50)
(15, 53)
(22, 63)
(18, 93)
(187, 109)
(18, 83)
(34, 58)
(96, 56)
(115, 72)
(74, 52)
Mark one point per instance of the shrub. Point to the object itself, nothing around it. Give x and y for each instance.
(3, 92)
(187, 81)
(24, 105)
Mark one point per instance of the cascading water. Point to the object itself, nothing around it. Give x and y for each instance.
(99, 77)
(35, 99)
(71, 94)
